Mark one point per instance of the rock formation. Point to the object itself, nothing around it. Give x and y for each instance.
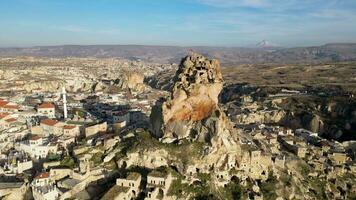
(263, 117)
(131, 80)
(192, 111)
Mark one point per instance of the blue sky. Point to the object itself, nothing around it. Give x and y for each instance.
(176, 22)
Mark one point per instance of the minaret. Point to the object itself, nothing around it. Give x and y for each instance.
(64, 93)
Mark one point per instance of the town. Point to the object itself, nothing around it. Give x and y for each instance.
(86, 128)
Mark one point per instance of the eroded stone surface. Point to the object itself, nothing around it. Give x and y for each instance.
(131, 80)
(192, 111)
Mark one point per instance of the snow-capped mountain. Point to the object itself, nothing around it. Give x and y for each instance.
(266, 44)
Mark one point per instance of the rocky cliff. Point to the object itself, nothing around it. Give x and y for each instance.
(192, 112)
(127, 80)
(131, 80)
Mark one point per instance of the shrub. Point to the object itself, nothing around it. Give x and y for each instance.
(97, 158)
(68, 162)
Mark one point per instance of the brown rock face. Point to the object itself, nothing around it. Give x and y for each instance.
(198, 83)
(131, 80)
(192, 111)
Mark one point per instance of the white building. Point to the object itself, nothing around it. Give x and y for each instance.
(18, 167)
(37, 147)
(43, 188)
(47, 109)
(158, 184)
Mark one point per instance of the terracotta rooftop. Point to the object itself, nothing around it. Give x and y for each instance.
(10, 120)
(35, 137)
(49, 122)
(46, 105)
(11, 106)
(42, 175)
(2, 115)
(68, 127)
(3, 103)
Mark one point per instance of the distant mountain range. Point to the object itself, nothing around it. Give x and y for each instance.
(266, 44)
(167, 54)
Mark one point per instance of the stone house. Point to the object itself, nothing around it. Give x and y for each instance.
(42, 179)
(8, 122)
(38, 130)
(337, 158)
(58, 129)
(80, 150)
(84, 162)
(279, 161)
(19, 167)
(317, 165)
(47, 165)
(294, 145)
(57, 173)
(10, 107)
(47, 109)
(95, 129)
(158, 184)
(50, 192)
(43, 187)
(71, 130)
(66, 141)
(132, 181)
(118, 193)
(12, 188)
(48, 125)
(36, 147)
(6, 106)
(255, 164)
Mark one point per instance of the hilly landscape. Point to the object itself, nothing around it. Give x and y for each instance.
(172, 54)
(178, 100)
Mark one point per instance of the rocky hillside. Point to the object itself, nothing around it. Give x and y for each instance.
(331, 113)
(192, 139)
